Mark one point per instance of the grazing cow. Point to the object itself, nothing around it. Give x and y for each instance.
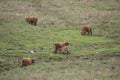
(59, 45)
(32, 20)
(86, 29)
(27, 61)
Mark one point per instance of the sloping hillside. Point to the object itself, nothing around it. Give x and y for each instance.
(59, 20)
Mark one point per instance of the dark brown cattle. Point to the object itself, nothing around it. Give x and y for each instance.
(32, 20)
(86, 29)
(27, 61)
(59, 45)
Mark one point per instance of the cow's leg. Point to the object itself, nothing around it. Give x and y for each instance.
(55, 50)
(35, 24)
(32, 23)
(29, 22)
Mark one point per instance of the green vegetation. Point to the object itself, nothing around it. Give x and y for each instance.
(58, 20)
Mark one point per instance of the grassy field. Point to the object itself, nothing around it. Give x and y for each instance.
(94, 57)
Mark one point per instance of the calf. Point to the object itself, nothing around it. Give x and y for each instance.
(64, 49)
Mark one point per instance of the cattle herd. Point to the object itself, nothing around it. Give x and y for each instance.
(62, 47)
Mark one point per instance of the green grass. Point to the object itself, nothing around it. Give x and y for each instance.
(77, 69)
(58, 20)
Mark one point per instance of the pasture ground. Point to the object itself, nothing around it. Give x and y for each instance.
(90, 67)
(94, 57)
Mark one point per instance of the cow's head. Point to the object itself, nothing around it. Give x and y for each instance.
(83, 32)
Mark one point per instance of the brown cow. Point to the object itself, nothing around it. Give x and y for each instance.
(86, 29)
(27, 61)
(32, 20)
(59, 45)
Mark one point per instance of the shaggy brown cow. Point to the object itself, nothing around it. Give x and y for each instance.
(59, 45)
(86, 29)
(27, 61)
(32, 20)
